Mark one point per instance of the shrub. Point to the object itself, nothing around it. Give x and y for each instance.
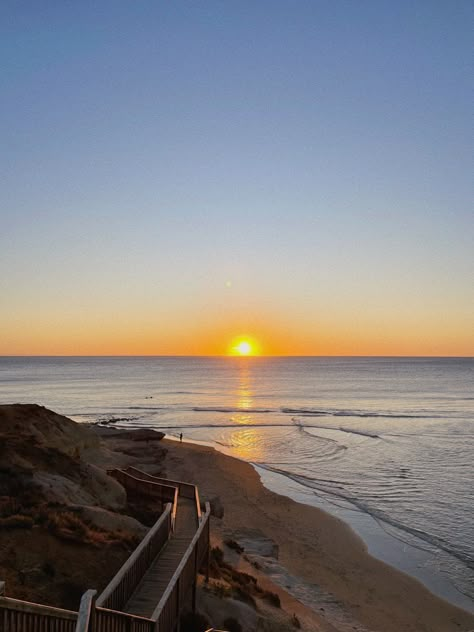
(244, 579)
(232, 544)
(217, 555)
(221, 591)
(295, 621)
(67, 525)
(16, 522)
(244, 596)
(216, 562)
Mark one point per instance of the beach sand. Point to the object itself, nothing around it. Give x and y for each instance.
(316, 547)
(323, 575)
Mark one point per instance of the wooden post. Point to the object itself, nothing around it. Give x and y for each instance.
(178, 609)
(86, 616)
(208, 563)
(195, 577)
(93, 620)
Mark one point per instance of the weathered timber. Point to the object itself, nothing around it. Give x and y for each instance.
(149, 591)
(124, 583)
(17, 615)
(86, 614)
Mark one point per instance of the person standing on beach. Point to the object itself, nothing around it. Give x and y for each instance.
(181, 437)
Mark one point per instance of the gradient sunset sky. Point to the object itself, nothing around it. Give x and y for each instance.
(176, 174)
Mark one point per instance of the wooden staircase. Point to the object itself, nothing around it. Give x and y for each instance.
(156, 580)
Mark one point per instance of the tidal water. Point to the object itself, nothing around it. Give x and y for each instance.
(387, 444)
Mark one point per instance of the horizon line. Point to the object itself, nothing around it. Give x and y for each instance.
(168, 355)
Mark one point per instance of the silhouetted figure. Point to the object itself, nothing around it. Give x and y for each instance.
(181, 436)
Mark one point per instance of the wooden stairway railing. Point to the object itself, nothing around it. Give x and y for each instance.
(185, 490)
(22, 616)
(86, 613)
(168, 609)
(104, 614)
(124, 583)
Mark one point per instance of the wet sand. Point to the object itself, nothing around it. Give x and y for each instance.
(316, 547)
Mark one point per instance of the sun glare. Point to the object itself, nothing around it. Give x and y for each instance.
(243, 347)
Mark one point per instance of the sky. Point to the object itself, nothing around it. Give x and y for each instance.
(178, 174)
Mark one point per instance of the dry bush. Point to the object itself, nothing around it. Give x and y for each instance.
(244, 595)
(220, 590)
(241, 585)
(232, 544)
(69, 526)
(16, 521)
(296, 622)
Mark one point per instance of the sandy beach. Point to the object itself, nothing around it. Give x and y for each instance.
(316, 567)
(314, 546)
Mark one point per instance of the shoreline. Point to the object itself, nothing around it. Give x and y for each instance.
(318, 548)
(380, 544)
(412, 559)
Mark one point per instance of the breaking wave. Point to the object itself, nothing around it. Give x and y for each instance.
(362, 433)
(313, 412)
(337, 490)
(228, 409)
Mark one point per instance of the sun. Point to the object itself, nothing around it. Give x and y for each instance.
(243, 347)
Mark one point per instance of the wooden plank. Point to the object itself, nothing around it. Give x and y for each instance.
(120, 578)
(158, 577)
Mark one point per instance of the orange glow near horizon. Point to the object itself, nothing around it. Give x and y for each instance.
(268, 333)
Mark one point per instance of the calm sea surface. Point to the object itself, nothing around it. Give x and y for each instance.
(388, 444)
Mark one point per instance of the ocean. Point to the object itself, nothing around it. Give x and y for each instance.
(387, 444)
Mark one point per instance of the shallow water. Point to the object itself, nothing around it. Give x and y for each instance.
(382, 440)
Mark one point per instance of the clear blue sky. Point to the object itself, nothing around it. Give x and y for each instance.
(317, 155)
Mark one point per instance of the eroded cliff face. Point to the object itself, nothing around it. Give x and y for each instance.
(64, 524)
(51, 454)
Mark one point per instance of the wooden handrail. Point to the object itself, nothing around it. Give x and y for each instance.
(185, 489)
(163, 491)
(174, 509)
(146, 482)
(198, 503)
(123, 584)
(23, 616)
(174, 582)
(117, 621)
(36, 608)
(86, 611)
(104, 614)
